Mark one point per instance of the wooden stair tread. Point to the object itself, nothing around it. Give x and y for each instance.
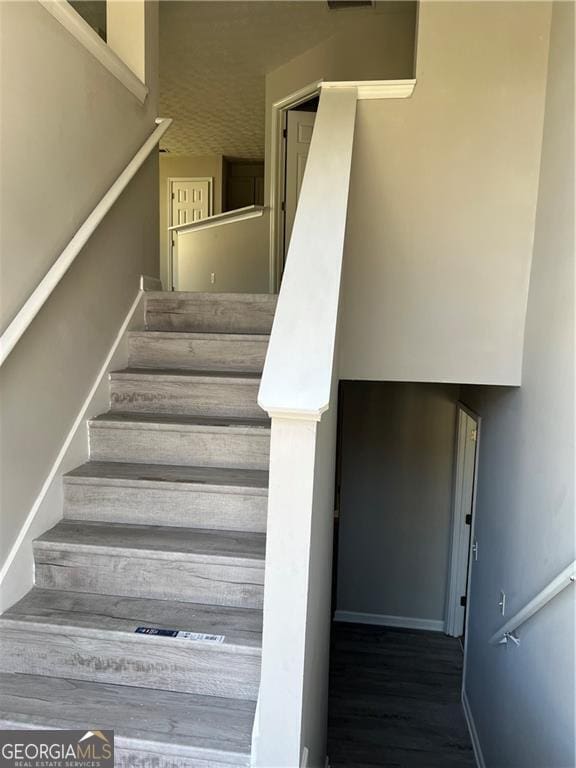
(121, 419)
(159, 723)
(166, 475)
(176, 374)
(161, 542)
(200, 335)
(99, 615)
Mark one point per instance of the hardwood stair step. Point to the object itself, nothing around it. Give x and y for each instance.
(199, 351)
(93, 637)
(161, 494)
(162, 562)
(210, 312)
(163, 729)
(170, 439)
(193, 393)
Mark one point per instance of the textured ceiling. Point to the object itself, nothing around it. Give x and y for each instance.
(214, 56)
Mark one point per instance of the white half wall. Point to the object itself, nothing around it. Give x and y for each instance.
(443, 201)
(230, 258)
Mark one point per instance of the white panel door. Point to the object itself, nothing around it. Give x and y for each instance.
(298, 137)
(190, 200)
(462, 523)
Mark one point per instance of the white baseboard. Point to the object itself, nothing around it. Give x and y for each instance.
(17, 572)
(148, 283)
(406, 622)
(479, 757)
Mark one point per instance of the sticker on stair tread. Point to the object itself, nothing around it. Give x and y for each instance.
(180, 634)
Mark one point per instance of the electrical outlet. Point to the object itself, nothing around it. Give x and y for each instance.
(212, 277)
(502, 603)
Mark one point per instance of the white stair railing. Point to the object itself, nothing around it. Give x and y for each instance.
(298, 391)
(506, 633)
(41, 293)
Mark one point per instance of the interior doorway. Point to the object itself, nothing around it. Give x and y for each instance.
(405, 469)
(243, 183)
(292, 123)
(297, 137)
(189, 200)
(462, 549)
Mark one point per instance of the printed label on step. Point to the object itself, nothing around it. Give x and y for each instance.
(180, 634)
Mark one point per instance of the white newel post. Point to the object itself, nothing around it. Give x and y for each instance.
(292, 452)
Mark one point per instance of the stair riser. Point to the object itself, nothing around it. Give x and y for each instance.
(210, 313)
(181, 666)
(158, 446)
(196, 354)
(133, 757)
(151, 506)
(140, 576)
(191, 398)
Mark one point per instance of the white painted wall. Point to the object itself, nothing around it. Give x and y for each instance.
(397, 460)
(126, 33)
(522, 699)
(69, 128)
(443, 200)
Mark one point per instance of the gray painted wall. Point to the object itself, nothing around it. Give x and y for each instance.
(373, 46)
(398, 444)
(68, 129)
(522, 698)
(442, 202)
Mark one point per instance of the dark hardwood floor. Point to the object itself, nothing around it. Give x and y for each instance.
(395, 700)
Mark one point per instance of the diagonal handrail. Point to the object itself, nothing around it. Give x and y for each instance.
(557, 585)
(297, 376)
(41, 293)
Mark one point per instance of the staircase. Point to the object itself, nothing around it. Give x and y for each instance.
(163, 529)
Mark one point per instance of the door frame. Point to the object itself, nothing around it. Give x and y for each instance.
(171, 237)
(459, 553)
(277, 175)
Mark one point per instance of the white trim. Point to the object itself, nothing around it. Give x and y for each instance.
(93, 43)
(382, 620)
(565, 578)
(148, 283)
(228, 217)
(478, 756)
(292, 413)
(69, 437)
(376, 89)
(277, 174)
(38, 297)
